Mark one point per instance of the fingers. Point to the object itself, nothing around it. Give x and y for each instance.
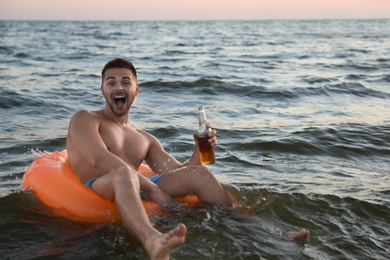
(212, 136)
(213, 140)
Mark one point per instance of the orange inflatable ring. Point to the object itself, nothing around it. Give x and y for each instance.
(53, 183)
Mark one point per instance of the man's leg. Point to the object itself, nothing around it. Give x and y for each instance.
(197, 180)
(123, 187)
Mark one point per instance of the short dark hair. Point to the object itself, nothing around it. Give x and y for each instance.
(119, 63)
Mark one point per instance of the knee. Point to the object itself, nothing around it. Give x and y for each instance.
(126, 175)
(203, 172)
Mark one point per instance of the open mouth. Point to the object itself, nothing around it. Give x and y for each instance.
(119, 100)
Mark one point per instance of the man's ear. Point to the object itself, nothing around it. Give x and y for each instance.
(137, 89)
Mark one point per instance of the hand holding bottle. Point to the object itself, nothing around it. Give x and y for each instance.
(212, 134)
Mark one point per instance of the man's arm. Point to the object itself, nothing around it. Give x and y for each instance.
(195, 158)
(160, 161)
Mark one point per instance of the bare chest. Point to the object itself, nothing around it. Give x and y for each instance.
(128, 143)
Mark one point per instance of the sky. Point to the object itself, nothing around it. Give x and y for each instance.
(192, 9)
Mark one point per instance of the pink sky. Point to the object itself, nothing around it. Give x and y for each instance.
(192, 10)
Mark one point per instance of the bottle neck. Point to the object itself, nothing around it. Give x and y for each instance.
(202, 120)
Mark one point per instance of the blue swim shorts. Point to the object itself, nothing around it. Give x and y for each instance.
(89, 183)
(154, 179)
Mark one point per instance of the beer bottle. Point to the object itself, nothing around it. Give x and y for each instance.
(207, 155)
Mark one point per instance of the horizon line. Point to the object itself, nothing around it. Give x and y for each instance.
(188, 20)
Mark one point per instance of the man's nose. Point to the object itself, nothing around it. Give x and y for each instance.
(119, 86)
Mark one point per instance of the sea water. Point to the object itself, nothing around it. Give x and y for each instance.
(302, 110)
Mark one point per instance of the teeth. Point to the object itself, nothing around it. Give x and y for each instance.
(120, 99)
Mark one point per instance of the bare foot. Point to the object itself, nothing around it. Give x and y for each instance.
(161, 246)
(301, 234)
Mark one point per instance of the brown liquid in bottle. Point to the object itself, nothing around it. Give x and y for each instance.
(207, 155)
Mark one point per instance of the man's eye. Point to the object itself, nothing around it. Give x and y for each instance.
(126, 83)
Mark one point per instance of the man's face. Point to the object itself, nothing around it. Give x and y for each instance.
(119, 88)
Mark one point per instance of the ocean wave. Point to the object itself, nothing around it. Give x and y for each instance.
(301, 113)
(10, 99)
(349, 141)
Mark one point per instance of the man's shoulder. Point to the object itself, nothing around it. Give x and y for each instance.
(150, 137)
(84, 116)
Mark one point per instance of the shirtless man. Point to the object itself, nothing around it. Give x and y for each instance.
(105, 150)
